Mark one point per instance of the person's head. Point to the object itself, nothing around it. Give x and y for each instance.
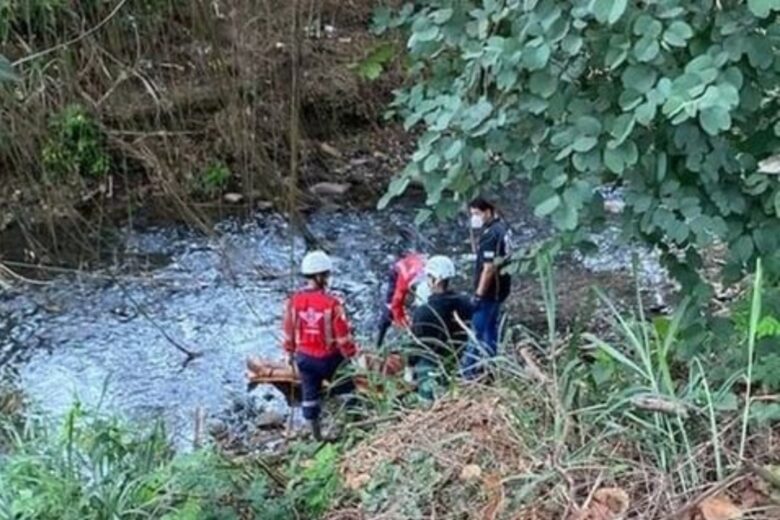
(316, 267)
(482, 212)
(439, 270)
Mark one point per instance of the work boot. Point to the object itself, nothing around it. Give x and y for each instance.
(316, 430)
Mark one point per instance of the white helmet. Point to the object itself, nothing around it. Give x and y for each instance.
(440, 267)
(316, 262)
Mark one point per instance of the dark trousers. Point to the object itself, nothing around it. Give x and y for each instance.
(313, 371)
(485, 323)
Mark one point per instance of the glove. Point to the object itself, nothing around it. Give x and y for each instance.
(360, 362)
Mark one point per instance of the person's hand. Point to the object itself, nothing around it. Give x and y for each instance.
(360, 361)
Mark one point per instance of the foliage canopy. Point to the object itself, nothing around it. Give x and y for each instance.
(673, 101)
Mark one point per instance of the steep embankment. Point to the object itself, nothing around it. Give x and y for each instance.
(186, 107)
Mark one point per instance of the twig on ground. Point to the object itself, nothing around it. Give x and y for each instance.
(714, 490)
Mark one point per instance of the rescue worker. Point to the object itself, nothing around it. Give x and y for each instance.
(317, 336)
(491, 285)
(435, 324)
(405, 274)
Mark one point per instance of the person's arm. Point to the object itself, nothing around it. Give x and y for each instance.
(343, 332)
(397, 309)
(486, 278)
(464, 308)
(488, 248)
(288, 328)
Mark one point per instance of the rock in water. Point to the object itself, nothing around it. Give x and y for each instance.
(324, 189)
(233, 198)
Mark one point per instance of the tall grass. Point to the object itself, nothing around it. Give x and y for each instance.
(98, 467)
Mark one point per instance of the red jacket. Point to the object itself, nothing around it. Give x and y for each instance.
(408, 269)
(315, 324)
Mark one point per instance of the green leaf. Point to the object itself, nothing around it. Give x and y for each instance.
(547, 206)
(571, 44)
(743, 248)
(542, 84)
(370, 70)
(614, 160)
(639, 77)
(426, 35)
(397, 187)
(617, 52)
(678, 34)
(761, 8)
(453, 149)
(477, 113)
(584, 143)
(380, 21)
(431, 163)
(776, 201)
(646, 49)
(715, 119)
(645, 113)
(621, 128)
(441, 16)
(760, 52)
(608, 11)
(647, 26)
(423, 216)
(535, 56)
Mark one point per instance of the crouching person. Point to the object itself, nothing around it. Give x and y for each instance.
(317, 336)
(436, 327)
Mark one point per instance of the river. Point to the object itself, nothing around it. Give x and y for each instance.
(100, 337)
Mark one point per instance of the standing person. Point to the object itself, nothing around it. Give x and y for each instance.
(435, 323)
(317, 335)
(405, 273)
(491, 286)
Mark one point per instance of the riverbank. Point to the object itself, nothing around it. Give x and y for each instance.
(182, 112)
(575, 432)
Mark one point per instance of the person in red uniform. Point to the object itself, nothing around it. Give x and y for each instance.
(405, 273)
(317, 336)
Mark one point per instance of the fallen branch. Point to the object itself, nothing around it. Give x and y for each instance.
(763, 473)
(714, 490)
(661, 404)
(190, 354)
(373, 422)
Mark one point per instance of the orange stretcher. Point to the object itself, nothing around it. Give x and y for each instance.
(285, 378)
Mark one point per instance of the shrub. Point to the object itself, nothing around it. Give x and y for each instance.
(76, 146)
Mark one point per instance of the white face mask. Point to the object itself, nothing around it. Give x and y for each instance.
(477, 221)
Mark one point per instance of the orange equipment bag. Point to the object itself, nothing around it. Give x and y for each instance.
(284, 376)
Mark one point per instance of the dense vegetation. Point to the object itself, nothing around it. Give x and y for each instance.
(675, 102)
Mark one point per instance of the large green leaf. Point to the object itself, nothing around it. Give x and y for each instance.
(547, 206)
(542, 84)
(715, 119)
(678, 33)
(762, 8)
(639, 77)
(646, 49)
(608, 11)
(535, 55)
